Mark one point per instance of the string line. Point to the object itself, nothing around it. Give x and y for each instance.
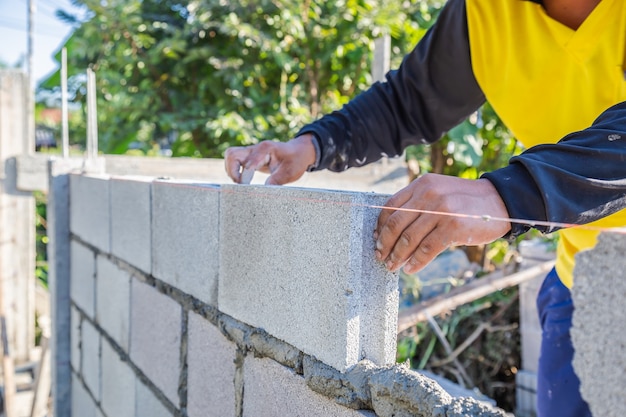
(486, 218)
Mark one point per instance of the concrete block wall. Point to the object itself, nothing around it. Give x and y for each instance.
(233, 301)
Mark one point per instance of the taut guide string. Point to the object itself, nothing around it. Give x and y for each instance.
(528, 222)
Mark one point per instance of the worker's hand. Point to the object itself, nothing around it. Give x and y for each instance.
(284, 161)
(412, 239)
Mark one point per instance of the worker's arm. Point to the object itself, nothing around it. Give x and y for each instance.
(580, 179)
(432, 91)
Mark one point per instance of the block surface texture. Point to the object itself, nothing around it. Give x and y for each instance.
(90, 358)
(146, 403)
(83, 278)
(118, 384)
(113, 299)
(90, 210)
(131, 221)
(300, 264)
(82, 403)
(271, 389)
(156, 321)
(598, 338)
(185, 237)
(211, 371)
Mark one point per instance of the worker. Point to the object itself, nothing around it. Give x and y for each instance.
(555, 72)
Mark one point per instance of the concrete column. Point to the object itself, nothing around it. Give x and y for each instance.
(17, 225)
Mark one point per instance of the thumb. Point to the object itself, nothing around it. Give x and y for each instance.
(280, 176)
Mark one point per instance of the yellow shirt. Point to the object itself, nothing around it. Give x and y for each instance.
(546, 80)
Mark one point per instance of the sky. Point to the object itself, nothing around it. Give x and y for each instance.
(49, 34)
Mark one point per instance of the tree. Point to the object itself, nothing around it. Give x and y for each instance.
(218, 73)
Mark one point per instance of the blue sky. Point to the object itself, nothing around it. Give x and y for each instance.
(49, 33)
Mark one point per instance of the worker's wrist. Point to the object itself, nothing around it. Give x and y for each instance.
(312, 152)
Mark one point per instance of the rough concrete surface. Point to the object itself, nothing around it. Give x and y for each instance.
(271, 389)
(90, 215)
(299, 264)
(75, 339)
(211, 371)
(597, 332)
(400, 392)
(83, 278)
(131, 221)
(82, 403)
(113, 300)
(156, 323)
(147, 405)
(185, 237)
(118, 384)
(90, 358)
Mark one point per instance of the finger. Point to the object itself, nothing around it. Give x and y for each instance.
(282, 173)
(431, 246)
(409, 240)
(390, 232)
(233, 159)
(397, 200)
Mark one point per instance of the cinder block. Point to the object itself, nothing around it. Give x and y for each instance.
(118, 384)
(597, 335)
(147, 404)
(82, 403)
(156, 322)
(83, 278)
(271, 389)
(211, 371)
(75, 339)
(90, 358)
(113, 299)
(185, 237)
(90, 210)
(130, 221)
(300, 264)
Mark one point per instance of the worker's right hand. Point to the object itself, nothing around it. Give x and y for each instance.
(284, 161)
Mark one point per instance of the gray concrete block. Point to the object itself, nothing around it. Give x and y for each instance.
(147, 404)
(90, 210)
(156, 322)
(90, 358)
(75, 325)
(185, 237)
(300, 264)
(271, 389)
(118, 384)
(113, 299)
(599, 341)
(83, 278)
(130, 221)
(211, 371)
(83, 404)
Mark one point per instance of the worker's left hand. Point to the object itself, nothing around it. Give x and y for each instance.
(412, 239)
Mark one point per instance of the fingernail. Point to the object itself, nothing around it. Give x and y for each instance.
(378, 256)
(389, 265)
(379, 245)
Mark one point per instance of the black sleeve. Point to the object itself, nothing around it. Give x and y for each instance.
(580, 179)
(432, 91)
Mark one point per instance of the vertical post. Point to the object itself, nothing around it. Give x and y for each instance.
(382, 57)
(29, 142)
(65, 142)
(17, 219)
(59, 284)
(92, 116)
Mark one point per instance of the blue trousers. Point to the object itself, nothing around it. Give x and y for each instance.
(558, 387)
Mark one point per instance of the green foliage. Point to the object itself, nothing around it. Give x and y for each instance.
(214, 74)
(41, 239)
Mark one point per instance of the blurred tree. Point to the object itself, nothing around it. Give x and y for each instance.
(214, 73)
